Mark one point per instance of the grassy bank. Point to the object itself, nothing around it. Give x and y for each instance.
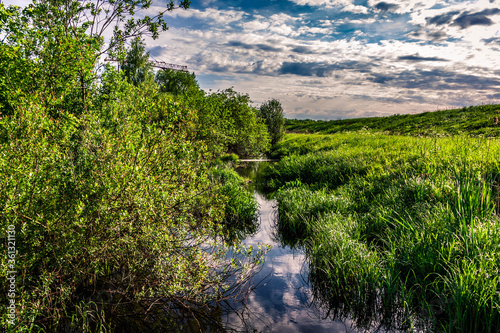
(400, 231)
(474, 120)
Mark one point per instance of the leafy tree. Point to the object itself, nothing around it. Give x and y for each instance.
(177, 82)
(228, 123)
(136, 66)
(272, 112)
(46, 54)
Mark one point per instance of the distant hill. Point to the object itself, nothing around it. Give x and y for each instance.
(473, 120)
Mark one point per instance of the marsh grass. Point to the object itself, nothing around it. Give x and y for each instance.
(400, 232)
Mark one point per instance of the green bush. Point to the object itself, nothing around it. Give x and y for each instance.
(240, 213)
(121, 196)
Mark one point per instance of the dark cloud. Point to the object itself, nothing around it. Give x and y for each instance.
(263, 47)
(494, 96)
(400, 99)
(239, 44)
(302, 50)
(493, 40)
(480, 18)
(385, 7)
(436, 79)
(442, 19)
(306, 69)
(381, 78)
(419, 58)
(437, 35)
(157, 51)
(429, 34)
(465, 19)
(268, 48)
(322, 69)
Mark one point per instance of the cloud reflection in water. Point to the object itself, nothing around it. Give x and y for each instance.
(282, 301)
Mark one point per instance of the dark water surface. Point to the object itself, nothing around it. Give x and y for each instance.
(282, 302)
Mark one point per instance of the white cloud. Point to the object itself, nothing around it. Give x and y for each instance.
(212, 14)
(346, 5)
(355, 9)
(259, 23)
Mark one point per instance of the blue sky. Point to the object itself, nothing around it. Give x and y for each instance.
(336, 59)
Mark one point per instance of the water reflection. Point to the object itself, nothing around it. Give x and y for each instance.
(282, 301)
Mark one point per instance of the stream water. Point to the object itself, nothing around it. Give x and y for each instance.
(282, 301)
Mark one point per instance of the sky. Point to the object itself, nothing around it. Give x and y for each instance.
(338, 59)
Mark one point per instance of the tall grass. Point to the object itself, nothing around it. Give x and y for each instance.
(399, 231)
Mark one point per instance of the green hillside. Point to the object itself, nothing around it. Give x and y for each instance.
(475, 120)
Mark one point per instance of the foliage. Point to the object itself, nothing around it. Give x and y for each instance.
(240, 215)
(272, 112)
(399, 231)
(119, 223)
(45, 53)
(120, 195)
(474, 120)
(177, 82)
(136, 66)
(228, 123)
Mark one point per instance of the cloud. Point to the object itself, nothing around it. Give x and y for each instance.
(493, 40)
(209, 14)
(262, 47)
(386, 7)
(157, 51)
(429, 34)
(416, 57)
(319, 69)
(302, 49)
(345, 5)
(322, 3)
(436, 79)
(356, 9)
(372, 60)
(464, 19)
(441, 19)
(306, 69)
(480, 18)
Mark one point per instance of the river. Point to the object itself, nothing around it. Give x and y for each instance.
(282, 301)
